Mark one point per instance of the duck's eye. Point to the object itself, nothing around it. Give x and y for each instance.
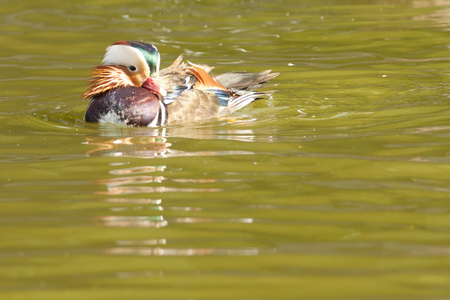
(132, 68)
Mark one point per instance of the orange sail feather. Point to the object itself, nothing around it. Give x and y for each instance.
(205, 81)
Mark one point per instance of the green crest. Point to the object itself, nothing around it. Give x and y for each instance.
(151, 55)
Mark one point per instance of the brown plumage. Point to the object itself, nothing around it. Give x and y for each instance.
(193, 105)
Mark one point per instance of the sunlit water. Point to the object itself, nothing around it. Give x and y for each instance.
(337, 187)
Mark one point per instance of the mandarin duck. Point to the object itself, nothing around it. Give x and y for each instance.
(128, 88)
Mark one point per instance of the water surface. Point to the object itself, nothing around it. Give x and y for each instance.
(337, 187)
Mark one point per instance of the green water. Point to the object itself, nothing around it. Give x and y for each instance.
(336, 188)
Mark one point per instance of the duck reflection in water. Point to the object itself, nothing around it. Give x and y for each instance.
(141, 188)
(135, 199)
(117, 141)
(144, 181)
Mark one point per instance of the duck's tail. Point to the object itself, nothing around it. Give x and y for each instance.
(246, 81)
(238, 102)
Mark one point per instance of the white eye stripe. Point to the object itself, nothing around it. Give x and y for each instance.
(124, 55)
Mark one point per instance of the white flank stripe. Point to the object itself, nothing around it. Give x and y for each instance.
(154, 123)
(162, 111)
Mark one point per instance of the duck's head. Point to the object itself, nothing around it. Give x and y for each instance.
(127, 63)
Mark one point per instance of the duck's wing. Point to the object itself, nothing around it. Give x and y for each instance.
(193, 105)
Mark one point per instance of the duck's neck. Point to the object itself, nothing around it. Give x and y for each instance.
(105, 78)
